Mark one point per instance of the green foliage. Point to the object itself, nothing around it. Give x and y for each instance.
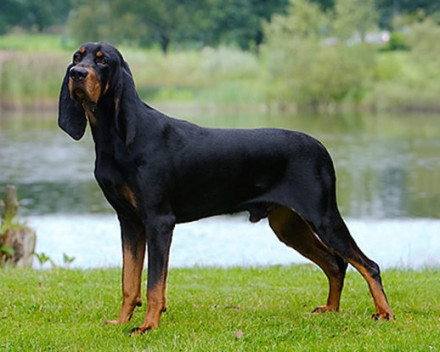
(67, 260)
(411, 79)
(25, 79)
(305, 69)
(194, 23)
(397, 42)
(10, 13)
(92, 22)
(304, 21)
(237, 309)
(423, 39)
(43, 258)
(39, 14)
(389, 8)
(241, 21)
(34, 15)
(163, 22)
(354, 17)
(6, 249)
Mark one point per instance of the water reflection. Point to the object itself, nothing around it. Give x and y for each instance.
(387, 166)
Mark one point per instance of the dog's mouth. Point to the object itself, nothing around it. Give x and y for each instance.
(86, 91)
(81, 96)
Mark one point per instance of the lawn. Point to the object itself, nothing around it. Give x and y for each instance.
(211, 309)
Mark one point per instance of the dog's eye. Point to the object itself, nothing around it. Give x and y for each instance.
(76, 58)
(101, 60)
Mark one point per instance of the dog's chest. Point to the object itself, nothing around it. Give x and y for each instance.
(113, 178)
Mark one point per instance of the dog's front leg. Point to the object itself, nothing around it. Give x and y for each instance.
(159, 233)
(133, 248)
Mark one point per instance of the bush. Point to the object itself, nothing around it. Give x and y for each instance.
(307, 71)
(397, 42)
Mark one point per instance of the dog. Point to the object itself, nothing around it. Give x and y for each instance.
(157, 171)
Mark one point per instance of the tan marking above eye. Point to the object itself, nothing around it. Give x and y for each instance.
(99, 54)
(82, 50)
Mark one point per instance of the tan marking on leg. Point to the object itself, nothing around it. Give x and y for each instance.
(383, 309)
(157, 303)
(294, 231)
(128, 194)
(156, 298)
(131, 282)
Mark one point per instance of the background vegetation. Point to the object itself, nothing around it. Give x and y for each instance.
(297, 54)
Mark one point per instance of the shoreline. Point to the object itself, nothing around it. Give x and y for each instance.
(51, 107)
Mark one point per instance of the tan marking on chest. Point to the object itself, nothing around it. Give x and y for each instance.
(90, 115)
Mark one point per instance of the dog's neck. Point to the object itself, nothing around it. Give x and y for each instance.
(102, 124)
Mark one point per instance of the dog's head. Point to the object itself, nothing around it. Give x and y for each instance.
(97, 71)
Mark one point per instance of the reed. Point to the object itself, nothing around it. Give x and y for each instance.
(31, 71)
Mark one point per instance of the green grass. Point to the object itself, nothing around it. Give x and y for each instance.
(33, 43)
(63, 310)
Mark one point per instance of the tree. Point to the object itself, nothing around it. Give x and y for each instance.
(388, 9)
(241, 21)
(163, 21)
(303, 69)
(91, 22)
(39, 14)
(354, 17)
(10, 13)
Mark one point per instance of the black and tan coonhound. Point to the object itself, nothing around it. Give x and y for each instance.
(157, 171)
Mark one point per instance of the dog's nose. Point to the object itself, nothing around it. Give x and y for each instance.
(78, 73)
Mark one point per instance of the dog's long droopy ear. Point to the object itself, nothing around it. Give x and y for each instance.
(71, 116)
(126, 104)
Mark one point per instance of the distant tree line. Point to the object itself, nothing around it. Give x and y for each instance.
(178, 22)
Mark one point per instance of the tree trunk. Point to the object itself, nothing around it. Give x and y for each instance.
(11, 204)
(164, 43)
(17, 243)
(22, 240)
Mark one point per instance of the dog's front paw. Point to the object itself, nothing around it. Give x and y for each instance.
(383, 316)
(142, 329)
(323, 309)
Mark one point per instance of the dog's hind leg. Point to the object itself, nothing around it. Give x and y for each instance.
(335, 234)
(294, 231)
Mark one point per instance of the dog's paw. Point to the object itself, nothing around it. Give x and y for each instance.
(383, 316)
(323, 309)
(141, 330)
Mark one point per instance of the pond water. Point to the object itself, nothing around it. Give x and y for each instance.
(388, 170)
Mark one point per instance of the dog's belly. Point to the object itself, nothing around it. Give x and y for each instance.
(225, 192)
